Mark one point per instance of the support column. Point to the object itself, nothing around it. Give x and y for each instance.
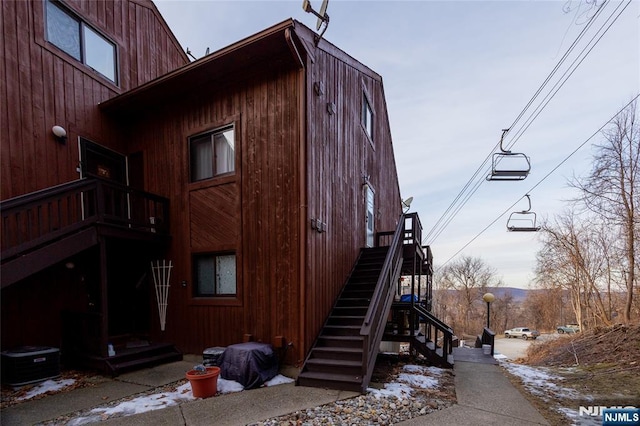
(104, 298)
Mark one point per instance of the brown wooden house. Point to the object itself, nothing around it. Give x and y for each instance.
(264, 172)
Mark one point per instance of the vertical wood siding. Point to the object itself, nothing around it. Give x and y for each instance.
(288, 274)
(255, 212)
(45, 87)
(339, 156)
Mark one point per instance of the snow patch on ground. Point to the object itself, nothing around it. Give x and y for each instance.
(161, 400)
(413, 376)
(543, 383)
(47, 386)
(540, 381)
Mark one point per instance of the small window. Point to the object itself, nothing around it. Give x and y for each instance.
(78, 39)
(212, 154)
(367, 117)
(214, 275)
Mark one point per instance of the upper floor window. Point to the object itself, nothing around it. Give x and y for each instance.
(212, 154)
(214, 275)
(75, 37)
(367, 117)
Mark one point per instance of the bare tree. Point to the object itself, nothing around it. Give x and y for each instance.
(611, 190)
(469, 277)
(543, 307)
(576, 257)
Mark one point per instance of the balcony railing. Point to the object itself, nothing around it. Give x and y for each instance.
(33, 220)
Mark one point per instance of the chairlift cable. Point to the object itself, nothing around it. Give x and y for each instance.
(439, 227)
(594, 134)
(560, 84)
(560, 62)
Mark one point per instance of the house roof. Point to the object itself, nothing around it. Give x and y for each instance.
(267, 48)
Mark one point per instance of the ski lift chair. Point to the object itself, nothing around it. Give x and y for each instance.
(507, 165)
(515, 166)
(523, 221)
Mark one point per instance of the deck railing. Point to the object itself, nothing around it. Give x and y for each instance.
(33, 220)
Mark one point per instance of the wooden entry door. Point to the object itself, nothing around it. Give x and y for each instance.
(101, 162)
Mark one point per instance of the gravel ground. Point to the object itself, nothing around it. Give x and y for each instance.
(385, 405)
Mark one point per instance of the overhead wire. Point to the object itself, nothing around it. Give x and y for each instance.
(559, 84)
(440, 226)
(455, 207)
(508, 209)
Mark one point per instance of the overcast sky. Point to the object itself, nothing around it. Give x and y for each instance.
(455, 74)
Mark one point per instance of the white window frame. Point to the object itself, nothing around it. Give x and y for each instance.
(367, 116)
(211, 162)
(83, 29)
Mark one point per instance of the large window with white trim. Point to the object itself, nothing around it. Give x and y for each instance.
(212, 154)
(71, 34)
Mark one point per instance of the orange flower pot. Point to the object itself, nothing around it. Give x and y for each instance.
(204, 385)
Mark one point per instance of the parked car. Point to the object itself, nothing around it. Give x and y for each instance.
(569, 328)
(522, 332)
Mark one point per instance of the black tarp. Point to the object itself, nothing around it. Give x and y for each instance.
(250, 364)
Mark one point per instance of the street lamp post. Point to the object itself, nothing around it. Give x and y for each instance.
(488, 297)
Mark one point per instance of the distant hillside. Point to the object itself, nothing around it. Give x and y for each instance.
(518, 294)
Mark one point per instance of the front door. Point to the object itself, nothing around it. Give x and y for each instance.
(99, 161)
(369, 197)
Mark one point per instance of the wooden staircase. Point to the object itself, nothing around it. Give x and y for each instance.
(336, 360)
(345, 351)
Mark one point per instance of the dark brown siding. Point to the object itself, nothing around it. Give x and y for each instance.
(255, 212)
(46, 87)
(339, 158)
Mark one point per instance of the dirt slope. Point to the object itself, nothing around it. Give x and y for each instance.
(617, 346)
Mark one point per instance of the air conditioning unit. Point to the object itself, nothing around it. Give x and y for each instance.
(30, 364)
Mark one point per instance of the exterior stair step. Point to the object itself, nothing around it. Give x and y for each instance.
(331, 381)
(337, 352)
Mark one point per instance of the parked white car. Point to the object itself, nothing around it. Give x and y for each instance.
(522, 332)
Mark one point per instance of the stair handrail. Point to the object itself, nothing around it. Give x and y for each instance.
(447, 332)
(375, 318)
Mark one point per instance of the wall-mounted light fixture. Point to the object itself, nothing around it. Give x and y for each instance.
(60, 133)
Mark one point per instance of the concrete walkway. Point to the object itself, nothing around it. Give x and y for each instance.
(485, 397)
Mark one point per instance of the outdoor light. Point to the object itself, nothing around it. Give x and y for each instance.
(488, 297)
(60, 133)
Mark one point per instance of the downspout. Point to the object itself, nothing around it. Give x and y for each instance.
(293, 48)
(302, 196)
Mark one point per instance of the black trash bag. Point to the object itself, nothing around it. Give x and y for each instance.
(250, 364)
